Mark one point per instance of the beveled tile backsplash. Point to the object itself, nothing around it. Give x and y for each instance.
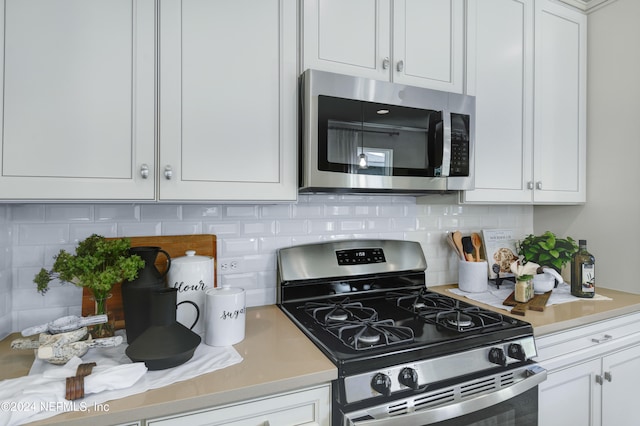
(248, 236)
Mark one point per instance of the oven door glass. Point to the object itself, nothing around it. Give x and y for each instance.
(370, 138)
(519, 411)
(513, 405)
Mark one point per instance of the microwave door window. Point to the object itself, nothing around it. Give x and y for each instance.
(376, 139)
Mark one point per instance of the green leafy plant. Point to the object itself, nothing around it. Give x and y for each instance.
(98, 264)
(547, 250)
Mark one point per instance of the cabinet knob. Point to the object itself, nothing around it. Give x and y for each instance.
(400, 66)
(144, 171)
(530, 185)
(607, 376)
(168, 172)
(385, 63)
(539, 185)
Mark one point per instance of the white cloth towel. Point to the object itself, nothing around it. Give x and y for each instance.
(494, 296)
(41, 394)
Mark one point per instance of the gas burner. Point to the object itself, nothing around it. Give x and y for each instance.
(338, 312)
(420, 301)
(368, 336)
(362, 335)
(458, 319)
(466, 319)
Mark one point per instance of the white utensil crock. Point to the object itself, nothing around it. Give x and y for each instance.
(224, 315)
(473, 277)
(192, 275)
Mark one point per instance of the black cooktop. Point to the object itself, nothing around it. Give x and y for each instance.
(361, 331)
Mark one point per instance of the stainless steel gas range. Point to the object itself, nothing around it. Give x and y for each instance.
(406, 355)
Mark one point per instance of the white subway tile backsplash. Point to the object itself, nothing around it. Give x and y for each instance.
(277, 211)
(37, 234)
(181, 228)
(78, 232)
(245, 212)
(68, 213)
(322, 226)
(258, 228)
(222, 228)
(27, 256)
(164, 212)
(139, 229)
(308, 211)
(292, 227)
(238, 247)
(197, 212)
(117, 212)
(28, 213)
(248, 236)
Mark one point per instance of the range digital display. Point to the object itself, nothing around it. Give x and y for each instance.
(360, 256)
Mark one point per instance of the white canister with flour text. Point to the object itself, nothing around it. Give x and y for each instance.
(192, 275)
(224, 316)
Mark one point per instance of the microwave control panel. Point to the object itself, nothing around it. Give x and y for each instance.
(459, 165)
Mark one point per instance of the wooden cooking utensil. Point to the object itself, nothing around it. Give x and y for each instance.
(477, 244)
(468, 249)
(457, 240)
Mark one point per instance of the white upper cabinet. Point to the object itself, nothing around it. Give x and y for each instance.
(560, 160)
(228, 77)
(527, 68)
(78, 99)
(413, 42)
(96, 92)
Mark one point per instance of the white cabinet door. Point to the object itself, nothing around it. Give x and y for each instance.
(347, 37)
(78, 99)
(621, 375)
(560, 108)
(428, 43)
(530, 85)
(571, 396)
(500, 53)
(414, 42)
(228, 100)
(310, 406)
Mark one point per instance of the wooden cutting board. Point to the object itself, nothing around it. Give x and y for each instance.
(175, 245)
(538, 303)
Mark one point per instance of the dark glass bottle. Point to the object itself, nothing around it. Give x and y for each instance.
(583, 272)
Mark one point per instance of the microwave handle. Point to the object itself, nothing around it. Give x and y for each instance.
(446, 143)
(535, 376)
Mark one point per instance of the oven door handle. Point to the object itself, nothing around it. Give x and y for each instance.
(536, 375)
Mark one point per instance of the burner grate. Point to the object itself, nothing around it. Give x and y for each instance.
(357, 326)
(337, 312)
(446, 312)
(361, 335)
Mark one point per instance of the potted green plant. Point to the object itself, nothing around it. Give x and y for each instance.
(97, 264)
(547, 250)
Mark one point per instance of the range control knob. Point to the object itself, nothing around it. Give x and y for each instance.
(497, 356)
(516, 351)
(381, 383)
(409, 378)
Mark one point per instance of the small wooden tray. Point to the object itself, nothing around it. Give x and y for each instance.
(538, 303)
(175, 245)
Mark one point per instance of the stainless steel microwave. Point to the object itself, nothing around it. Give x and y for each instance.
(366, 136)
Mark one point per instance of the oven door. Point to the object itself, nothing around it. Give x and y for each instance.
(504, 399)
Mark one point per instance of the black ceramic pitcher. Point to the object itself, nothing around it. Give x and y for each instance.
(136, 294)
(165, 343)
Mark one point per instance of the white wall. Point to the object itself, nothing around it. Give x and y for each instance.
(610, 220)
(249, 234)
